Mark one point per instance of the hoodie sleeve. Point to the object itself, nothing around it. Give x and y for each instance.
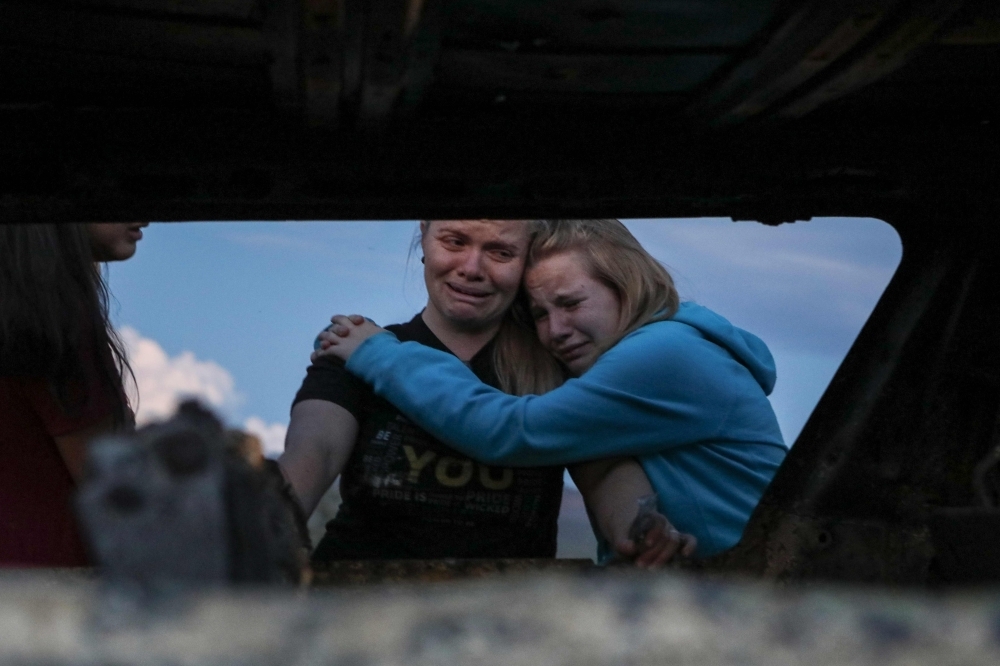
(648, 393)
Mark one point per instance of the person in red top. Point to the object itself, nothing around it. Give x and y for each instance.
(61, 379)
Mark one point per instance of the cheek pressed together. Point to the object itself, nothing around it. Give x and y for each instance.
(576, 315)
(472, 269)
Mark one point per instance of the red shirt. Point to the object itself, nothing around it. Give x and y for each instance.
(37, 523)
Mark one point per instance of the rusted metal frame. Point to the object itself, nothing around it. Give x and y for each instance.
(916, 29)
(798, 531)
(786, 538)
(948, 335)
(989, 461)
(813, 38)
(387, 30)
(240, 10)
(963, 519)
(859, 386)
(425, 48)
(354, 40)
(981, 32)
(359, 57)
(585, 73)
(110, 65)
(392, 28)
(60, 29)
(916, 452)
(282, 27)
(322, 58)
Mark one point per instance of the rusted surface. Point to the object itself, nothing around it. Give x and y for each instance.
(355, 572)
(538, 619)
(322, 46)
(173, 110)
(811, 40)
(887, 55)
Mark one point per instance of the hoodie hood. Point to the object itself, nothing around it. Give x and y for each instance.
(745, 347)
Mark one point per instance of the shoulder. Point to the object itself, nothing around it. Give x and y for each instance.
(327, 378)
(659, 338)
(89, 405)
(655, 353)
(402, 331)
(414, 330)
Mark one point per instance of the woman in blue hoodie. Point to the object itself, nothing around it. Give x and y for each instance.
(674, 385)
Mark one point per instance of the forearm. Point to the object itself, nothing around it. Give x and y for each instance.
(612, 488)
(318, 444)
(308, 476)
(586, 418)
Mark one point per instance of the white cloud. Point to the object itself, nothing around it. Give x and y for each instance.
(163, 381)
(272, 435)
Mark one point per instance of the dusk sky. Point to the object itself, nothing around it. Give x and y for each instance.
(227, 311)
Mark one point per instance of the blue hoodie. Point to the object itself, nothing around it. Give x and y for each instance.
(686, 396)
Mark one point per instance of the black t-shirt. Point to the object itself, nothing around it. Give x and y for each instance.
(408, 495)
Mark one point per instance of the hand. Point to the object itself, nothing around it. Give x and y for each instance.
(344, 336)
(661, 543)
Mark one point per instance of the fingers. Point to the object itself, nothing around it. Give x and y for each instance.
(626, 548)
(343, 336)
(341, 327)
(326, 352)
(344, 320)
(342, 324)
(660, 552)
(332, 336)
(664, 544)
(690, 545)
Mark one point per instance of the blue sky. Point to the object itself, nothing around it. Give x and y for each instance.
(228, 310)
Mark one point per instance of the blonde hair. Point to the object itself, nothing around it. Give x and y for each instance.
(645, 289)
(523, 366)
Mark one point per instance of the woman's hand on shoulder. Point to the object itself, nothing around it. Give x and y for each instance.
(344, 335)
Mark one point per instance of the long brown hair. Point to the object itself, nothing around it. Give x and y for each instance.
(54, 322)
